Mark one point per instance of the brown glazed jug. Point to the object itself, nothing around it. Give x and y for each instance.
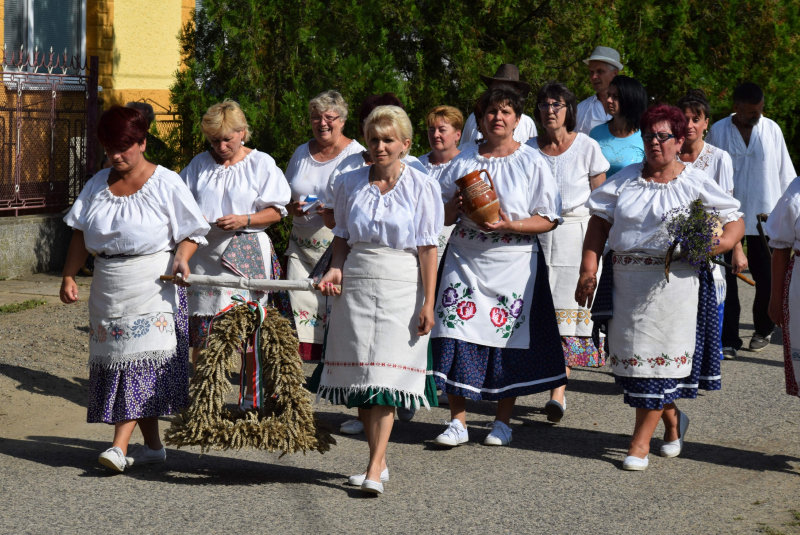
(479, 200)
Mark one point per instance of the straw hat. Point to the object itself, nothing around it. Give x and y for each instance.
(509, 74)
(604, 53)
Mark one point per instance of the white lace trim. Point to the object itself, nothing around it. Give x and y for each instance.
(121, 362)
(338, 395)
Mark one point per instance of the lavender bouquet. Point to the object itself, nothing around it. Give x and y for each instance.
(692, 235)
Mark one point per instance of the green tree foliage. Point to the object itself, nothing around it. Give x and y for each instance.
(273, 56)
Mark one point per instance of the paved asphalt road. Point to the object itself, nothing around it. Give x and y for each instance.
(739, 473)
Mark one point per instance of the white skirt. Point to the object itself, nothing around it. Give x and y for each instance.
(562, 249)
(210, 300)
(306, 247)
(792, 360)
(372, 337)
(652, 334)
(131, 312)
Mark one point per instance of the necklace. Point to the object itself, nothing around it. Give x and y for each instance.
(391, 183)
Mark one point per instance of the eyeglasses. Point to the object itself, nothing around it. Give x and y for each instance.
(328, 120)
(662, 137)
(557, 106)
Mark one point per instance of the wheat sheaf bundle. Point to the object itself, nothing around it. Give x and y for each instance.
(286, 422)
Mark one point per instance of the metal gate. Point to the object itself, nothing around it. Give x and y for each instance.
(48, 113)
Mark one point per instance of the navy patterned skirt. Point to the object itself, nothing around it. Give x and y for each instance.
(705, 374)
(489, 373)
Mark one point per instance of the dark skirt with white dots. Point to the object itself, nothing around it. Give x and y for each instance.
(705, 374)
(147, 388)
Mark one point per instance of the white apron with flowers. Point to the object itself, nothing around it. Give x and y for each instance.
(486, 288)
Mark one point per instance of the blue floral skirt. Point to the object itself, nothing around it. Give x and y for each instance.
(705, 374)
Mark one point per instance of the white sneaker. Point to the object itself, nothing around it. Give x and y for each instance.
(351, 427)
(114, 459)
(358, 480)
(500, 435)
(454, 435)
(144, 455)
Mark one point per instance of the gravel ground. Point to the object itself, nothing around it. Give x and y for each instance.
(739, 473)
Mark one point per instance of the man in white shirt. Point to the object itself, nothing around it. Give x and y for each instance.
(526, 129)
(762, 170)
(604, 64)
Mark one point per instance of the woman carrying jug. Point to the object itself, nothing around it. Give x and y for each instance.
(495, 336)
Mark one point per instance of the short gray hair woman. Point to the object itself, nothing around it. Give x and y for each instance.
(308, 174)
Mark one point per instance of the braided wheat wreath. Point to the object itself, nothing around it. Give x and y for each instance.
(286, 422)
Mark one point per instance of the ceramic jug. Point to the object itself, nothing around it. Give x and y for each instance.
(479, 200)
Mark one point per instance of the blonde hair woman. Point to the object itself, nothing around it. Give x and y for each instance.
(241, 192)
(388, 218)
(308, 173)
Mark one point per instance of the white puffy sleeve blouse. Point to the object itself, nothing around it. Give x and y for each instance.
(783, 225)
(406, 217)
(154, 219)
(247, 187)
(522, 181)
(635, 206)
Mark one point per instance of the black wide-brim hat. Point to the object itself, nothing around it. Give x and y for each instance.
(508, 74)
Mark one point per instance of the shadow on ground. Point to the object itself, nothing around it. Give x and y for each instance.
(47, 384)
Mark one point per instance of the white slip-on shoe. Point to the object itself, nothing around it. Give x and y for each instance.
(143, 454)
(635, 463)
(674, 448)
(351, 427)
(555, 410)
(113, 459)
(373, 487)
(454, 435)
(500, 435)
(358, 480)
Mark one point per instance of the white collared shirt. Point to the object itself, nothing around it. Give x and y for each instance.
(762, 170)
(590, 114)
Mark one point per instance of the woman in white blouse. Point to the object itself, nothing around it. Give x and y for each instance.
(308, 173)
(240, 192)
(783, 229)
(388, 218)
(578, 165)
(717, 164)
(496, 335)
(655, 323)
(141, 222)
(444, 132)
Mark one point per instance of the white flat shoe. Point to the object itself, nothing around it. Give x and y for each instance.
(358, 480)
(674, 448)
(373, 487)
(635, 463)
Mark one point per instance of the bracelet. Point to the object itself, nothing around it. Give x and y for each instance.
(248, 221)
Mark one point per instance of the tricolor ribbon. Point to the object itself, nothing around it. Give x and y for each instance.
(254, 355)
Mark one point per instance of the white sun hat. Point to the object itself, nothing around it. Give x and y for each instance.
(607, 54)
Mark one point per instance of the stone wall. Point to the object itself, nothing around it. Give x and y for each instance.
(33, 244)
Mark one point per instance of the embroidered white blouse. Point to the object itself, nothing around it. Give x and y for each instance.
(762, 169)
(522, 180)
(783, 225)
(409, 215)
(247, 187)
(154, 219)
(717, 164)
(356, 161)
(572, 169)
(525, 130)
(308, 176)
(590, 114)
(634, 207)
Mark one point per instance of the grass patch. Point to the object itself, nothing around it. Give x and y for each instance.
(770, 531)
(19, 307)
(796, 515)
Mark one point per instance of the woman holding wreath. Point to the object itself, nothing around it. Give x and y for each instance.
(496, 335)
(388, 219)
(141, 222)
(663, 338)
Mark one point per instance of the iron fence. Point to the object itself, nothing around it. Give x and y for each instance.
(46, 155)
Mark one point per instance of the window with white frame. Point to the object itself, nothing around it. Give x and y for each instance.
(60, 24)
